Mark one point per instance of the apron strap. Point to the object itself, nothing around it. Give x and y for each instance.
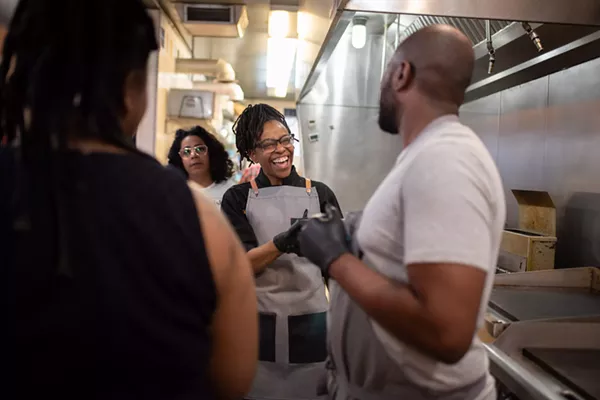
(308, 186)
(254, 186)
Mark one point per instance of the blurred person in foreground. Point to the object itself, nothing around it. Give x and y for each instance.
(126, 284)
(409, 292)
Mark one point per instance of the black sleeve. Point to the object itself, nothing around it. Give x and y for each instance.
(233, 206)
(326, 196)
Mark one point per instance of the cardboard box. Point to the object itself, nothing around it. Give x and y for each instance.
(531, 246)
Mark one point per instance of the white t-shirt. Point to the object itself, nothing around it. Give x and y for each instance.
(217, 190)
(443, 201)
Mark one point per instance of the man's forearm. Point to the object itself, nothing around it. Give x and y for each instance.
(392, 305)
(263, 255)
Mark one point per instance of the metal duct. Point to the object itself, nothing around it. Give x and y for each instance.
(221, 70)
(231, 90)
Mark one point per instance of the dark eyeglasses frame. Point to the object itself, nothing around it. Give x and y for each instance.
(267, 143)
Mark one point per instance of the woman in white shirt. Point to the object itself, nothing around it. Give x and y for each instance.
(204, 160)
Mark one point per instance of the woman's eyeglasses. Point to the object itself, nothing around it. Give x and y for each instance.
(271, 144)
(187, 151)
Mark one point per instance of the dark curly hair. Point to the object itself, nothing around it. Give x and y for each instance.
(249, 126)
(220, 166)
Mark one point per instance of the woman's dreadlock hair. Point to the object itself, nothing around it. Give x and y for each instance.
(64, 66)
(220, 165)
(71, 60)
(249, 126)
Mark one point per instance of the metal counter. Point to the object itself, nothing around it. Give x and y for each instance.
(546, 326)
(528, 303)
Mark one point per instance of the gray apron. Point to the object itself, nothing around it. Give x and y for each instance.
(291, 301)
(360, 367)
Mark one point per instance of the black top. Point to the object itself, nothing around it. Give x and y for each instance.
(130, 317)
(235, 200)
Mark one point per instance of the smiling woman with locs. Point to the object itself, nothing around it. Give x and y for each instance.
(290, 289)
(204, 160)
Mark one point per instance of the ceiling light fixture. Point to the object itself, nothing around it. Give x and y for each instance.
(279, 24)
(359, 32)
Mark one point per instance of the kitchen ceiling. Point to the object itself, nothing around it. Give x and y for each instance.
(248, 54)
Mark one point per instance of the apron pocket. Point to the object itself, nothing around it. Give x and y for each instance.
(307, 338)
(266, 332)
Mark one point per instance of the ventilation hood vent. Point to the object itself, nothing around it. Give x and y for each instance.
(221, 70)
(474, 29)
(209, 14)
(213, 20)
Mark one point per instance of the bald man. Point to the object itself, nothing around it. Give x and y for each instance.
(409, 292)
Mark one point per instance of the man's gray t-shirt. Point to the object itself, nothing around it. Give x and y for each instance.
(442, 202)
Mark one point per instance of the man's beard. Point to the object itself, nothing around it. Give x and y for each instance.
(387, 119)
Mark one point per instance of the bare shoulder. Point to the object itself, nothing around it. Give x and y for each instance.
(224, 249)
(205, 207)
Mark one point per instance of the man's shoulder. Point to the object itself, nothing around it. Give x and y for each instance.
(454, 144)
(457, 157)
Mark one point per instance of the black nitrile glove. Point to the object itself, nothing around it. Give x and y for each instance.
(351, 221)
(287, 242)
(323, 239)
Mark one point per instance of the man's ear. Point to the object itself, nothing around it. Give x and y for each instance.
(402, 76)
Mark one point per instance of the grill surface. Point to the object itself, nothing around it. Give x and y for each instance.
(578, 369)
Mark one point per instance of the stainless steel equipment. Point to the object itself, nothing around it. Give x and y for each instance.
(567, 41)
(537, 114)
(543, 134)
(548, 324)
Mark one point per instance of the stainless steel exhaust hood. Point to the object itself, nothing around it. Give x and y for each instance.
(572, 12)
(568, 31)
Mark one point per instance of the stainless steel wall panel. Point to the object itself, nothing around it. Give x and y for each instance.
(483, 116)
(543, 134)
(523, 125)
(549, 139)
(352, 76)
(521, 142)
(573, 161)
(352, 154)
